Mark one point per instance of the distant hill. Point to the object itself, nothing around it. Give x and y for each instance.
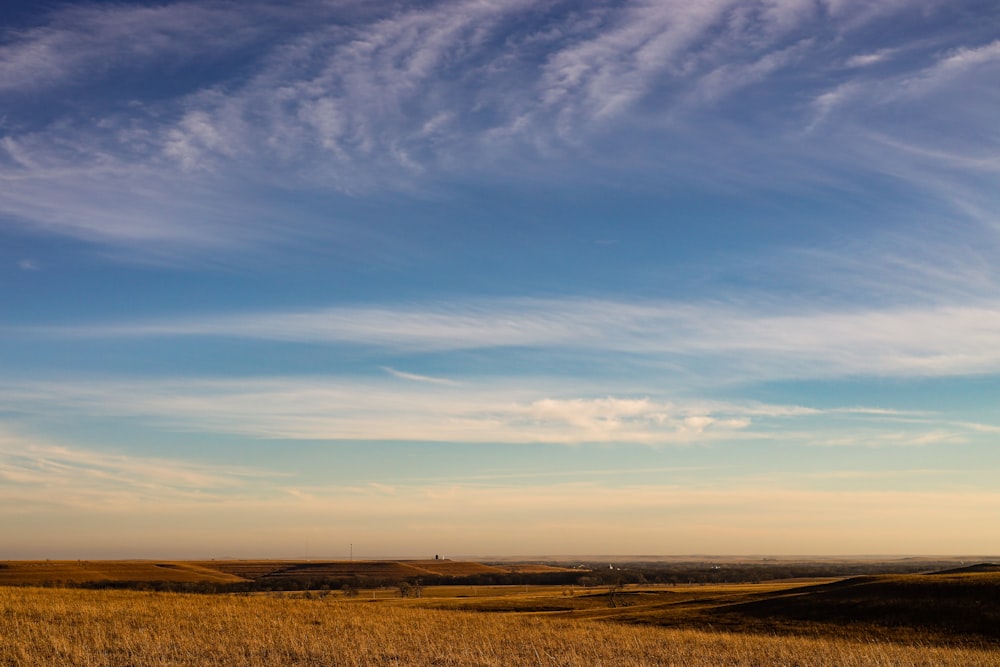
(978, 568)
(65, 572)
(380, 569)
(81, 572)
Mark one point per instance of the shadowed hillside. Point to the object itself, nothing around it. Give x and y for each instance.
(380, 569)
(978, 568)
(940, 607)
(233, 575)
(62, 572)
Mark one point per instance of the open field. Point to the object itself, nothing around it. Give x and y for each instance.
(948, 618)
(48, 627)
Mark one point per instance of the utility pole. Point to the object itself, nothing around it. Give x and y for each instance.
(352, 552)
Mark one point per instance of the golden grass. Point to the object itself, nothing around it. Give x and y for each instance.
(533, 568)
(49, 627)
(454, 568)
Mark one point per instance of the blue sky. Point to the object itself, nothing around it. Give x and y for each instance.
(499, 278)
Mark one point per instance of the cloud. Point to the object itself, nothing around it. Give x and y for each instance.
(37, 472)
(606, 73)
(76, 202)
(375, 94)
(954, 64)
(617, 417)
(80, 43)
(901, 122)
(871, 58)
(417, 378)
(366, 409)
(523, 411)
(986, 428)
(752, 340)
(916, 438)
(355, 99)
(28, 265)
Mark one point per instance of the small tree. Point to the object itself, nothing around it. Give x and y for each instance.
(614, 586)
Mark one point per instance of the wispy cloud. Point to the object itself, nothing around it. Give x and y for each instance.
(359, 409)
(360, 98)
(759, 341)
(36, 472)
(570, 155)
(528, 410)
(82, 43)
(919, 438)
(929, 151)
(417, 377)
(871, 58)
(954, 64)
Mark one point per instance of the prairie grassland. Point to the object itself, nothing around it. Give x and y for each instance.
(47, 627)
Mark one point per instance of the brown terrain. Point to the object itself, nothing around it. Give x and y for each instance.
(55, 572)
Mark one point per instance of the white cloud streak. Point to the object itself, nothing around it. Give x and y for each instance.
(869, 59)
(359, 409)
(529, 410)
(416, 377)
(37, 473)
(766, 342)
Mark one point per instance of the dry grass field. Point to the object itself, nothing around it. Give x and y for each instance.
(49, 627)
(948, 618)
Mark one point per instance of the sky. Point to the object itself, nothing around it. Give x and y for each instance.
(499, 278)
